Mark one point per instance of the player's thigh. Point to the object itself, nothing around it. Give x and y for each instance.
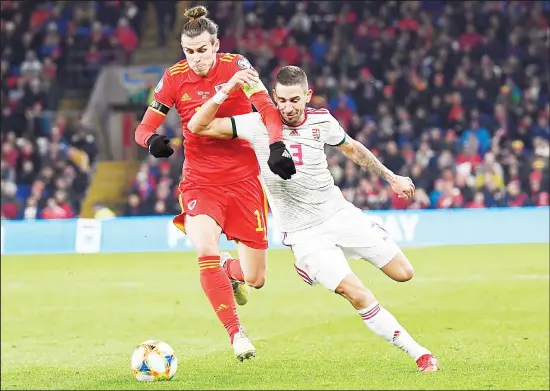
(321, 262)
(202, 217)
(386, 255)
(203, 231)
(246, 214)
(362, 238)
(254, 264)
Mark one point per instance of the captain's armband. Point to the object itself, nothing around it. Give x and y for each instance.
(250, 90)
(158, 107)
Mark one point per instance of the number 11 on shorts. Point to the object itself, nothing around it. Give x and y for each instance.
(260, 227)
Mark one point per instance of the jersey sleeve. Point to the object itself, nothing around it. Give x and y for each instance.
(163, 97)
(240, 63)
(163, 100)
(258, 96)
(335, 135)
(247, 126)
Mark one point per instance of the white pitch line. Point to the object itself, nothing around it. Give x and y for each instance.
(480, 277)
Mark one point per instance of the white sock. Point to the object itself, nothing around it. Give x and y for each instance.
(384, 324)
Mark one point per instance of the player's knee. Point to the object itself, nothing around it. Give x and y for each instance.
(256, 282)
(206, 243)
(405, 272)
(207, 248)
(256, 279)
(254, 265)
(399, 269)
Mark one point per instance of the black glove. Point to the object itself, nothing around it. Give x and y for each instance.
(159, 146)
(280, 161)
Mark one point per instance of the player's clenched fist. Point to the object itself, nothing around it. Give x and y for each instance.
(240, 79)
(159, 146)
(280, 161)
(403, 186)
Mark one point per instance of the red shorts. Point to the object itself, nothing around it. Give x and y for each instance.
(240, 209)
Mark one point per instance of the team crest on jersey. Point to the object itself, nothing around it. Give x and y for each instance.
(316, 133)
(243, 63)
(158, 87)
(191, 204)
(219, 87)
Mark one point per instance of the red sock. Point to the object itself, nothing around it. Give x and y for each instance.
(233, 269)
(217, 288)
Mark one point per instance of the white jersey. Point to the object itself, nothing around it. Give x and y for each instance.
(310, 196)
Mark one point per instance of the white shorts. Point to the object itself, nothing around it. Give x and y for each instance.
(322, 251)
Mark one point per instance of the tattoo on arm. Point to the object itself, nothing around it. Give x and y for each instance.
(365, 158)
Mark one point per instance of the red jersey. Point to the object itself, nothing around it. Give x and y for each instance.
(209, 160)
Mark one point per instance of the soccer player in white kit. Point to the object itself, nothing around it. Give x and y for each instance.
(321, 227)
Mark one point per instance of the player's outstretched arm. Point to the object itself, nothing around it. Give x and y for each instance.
(204, 121)
(361, 155)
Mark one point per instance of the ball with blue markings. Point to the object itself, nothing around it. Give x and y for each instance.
(154, 360)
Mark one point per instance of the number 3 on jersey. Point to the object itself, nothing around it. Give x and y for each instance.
(296, 152)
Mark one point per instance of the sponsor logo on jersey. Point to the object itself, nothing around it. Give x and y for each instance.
(185, 97)
(191, 204)
(294, 133)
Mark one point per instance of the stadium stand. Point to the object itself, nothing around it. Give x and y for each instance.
(453, 95)
(48, 48)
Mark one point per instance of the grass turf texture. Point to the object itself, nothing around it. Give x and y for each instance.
(72, 322)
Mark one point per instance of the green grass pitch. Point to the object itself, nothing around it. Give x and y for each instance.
(72, 322)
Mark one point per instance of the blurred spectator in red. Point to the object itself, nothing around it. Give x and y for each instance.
(126, 35)
(54, 211)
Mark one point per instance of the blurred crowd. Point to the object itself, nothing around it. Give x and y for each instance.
(46, 46)
(454, 95)
(154, 190)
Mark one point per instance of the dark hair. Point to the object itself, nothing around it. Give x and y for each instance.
(198, 23)
(291, 75)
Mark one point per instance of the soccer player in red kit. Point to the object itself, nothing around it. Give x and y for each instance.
(221, 190)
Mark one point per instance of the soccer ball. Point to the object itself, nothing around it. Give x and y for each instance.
(154, 360)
